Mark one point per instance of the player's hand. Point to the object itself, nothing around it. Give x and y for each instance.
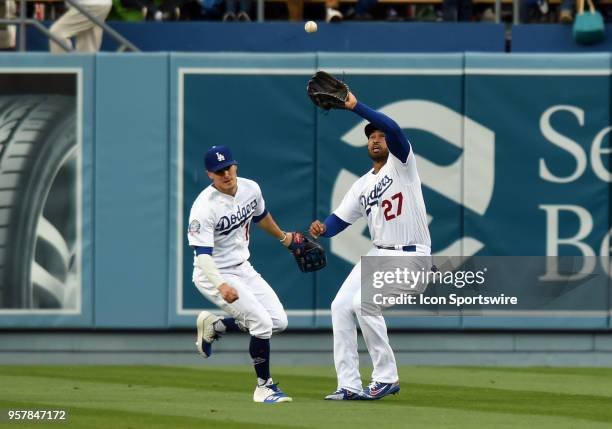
(228, 293)
(351, 101)
(317, 228)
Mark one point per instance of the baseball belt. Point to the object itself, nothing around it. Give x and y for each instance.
(409, 248)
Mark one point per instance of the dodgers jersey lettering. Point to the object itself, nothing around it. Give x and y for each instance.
(223, 222)
(391, 201)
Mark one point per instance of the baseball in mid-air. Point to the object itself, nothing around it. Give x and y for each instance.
(310, 27)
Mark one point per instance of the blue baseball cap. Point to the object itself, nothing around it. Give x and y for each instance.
(218, 157)
(369, 129)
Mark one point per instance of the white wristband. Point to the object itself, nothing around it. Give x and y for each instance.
(282, 240)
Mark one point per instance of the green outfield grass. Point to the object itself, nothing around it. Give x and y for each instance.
(204, 397)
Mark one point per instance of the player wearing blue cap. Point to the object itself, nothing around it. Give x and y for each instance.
(389, 196)
(219, 225)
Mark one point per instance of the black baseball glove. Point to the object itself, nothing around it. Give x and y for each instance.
(309, 255)
(326, 91)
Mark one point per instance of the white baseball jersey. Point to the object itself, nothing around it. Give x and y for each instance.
(392, 202)
(223, 222)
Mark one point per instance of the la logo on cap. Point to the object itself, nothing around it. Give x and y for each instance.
(220, 157)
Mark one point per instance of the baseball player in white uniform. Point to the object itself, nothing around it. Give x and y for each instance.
(219, 229)
(389, 196)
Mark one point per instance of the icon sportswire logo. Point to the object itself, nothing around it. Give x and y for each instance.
(474, 168)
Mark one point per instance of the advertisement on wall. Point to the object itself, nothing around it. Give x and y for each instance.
(40, 192)
(265, 146)
(513, 156)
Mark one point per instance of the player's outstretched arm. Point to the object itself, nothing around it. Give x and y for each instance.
(269, 225)
(396, 140)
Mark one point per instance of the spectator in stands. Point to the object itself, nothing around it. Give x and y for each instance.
(295, 9)
(74, 24)
(332, 11)
(232, 13)
(533, 10)
(362, 10)
(567, 11)
(457, 10)
(7, 32)
(194, 10)
(168, 10)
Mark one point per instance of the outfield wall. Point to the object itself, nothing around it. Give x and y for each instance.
(290, 37)
(308, 348)
(513, 152)
(373, 37)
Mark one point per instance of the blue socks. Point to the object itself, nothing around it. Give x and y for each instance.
(259, 348)
(226, 325)
(260, 352)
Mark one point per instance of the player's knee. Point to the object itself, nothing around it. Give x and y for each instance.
(280, 324)
(262, 328)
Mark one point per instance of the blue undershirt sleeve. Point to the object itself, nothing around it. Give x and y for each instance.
(334, 225)
(259, 218)
(199, 250)
(396, 140)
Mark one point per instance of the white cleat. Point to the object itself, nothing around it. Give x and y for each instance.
(206, 332)
(270, 394)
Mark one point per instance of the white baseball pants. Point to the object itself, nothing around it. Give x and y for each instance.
(257, 308)
(74, 23)
(344, 308)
